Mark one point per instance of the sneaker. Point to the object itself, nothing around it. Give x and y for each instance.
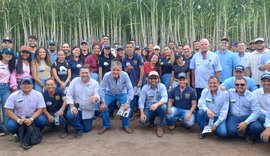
(64, 134)
(171, 127)
(201, 136)
(2, 133)
(78, 134)
(160, 131)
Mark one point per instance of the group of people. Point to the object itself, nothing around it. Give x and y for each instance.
(228, 90)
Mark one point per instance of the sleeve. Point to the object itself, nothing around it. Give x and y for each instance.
(130, 90)
(41, 101)
(171, 94)
(224, 109)
(96, 94)
(226, 83)
(164, 94)
(193, 95)
(87, 60)
(192, 63)
(100, 62)
(10, 103)
(255, 110)
(140, 60)
(70, 92)
(142, 98)
(217, 65)
(102, 88)
(267, 119)
(234, 60)
(202, 104)
(13, 80)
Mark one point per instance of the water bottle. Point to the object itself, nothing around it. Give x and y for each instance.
(56, 119)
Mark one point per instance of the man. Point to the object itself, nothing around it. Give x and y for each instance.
(196, 47)
(172, 46)
(182, 103)
(203, 65)
(243, 112)
(242, 55)
(180, 49)
(32, 43)
(85, 52)
(251, 47)
(187, 57)
(25, 106)
(157, 50)
(55, 111)
(138, 49)
(239, 72)
(227, 59)
(66, 50)
(152, 102)
(234, 47)
(133, 65)
(266, 133)
(52, 50)
(254, 60)
(262, 95)
(150, 46)
(213, 104)
(7, 43)
(82, 98)
(115, 85)
(105, 40)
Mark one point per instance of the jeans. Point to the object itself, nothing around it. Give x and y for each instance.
(261, 119)
(62, 120)
(134, 104)
(122, 98)
(150, 115)
(38, 87)
(180, 113)
(78, 123)
(253, 129)
(4, 94)
(198, 92)
(165, 79)
(12, 126)
(202, 117)
(94, 76)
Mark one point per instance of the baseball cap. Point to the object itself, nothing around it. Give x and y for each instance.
(259, 39)
(153, 73)
(225, 39)
(25, 48)
(28, 79)
(51, 42)
(7, 39)
(137, 47)
(177, 55)
(120, 48)
(83, 41)
(7, 51)
(156, 47)
(239, 68)
(265, 76)
(181, 75)
(107, 46)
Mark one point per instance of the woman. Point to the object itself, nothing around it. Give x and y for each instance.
(61, 70)
(75, 62)
(7, 66)
(91, 61)
(104, 61)
(145, 54)
(120, 54)
(166, 65)
(179, 67)
(23, 67)
(153, 65)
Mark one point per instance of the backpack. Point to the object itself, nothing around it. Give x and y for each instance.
(29, 135)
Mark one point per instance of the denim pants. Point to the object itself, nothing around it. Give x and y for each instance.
(134, 104)
(122, 98)
(62, 120)
(150, 115)
(12, 126)
(202, 117)
(78, 123)
(253, 129)
(165, 79)
(94, 76)
(4, 93)
(181, 114)
(38, 87)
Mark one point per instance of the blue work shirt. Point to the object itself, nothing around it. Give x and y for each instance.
(218, 104)
(182, 100)
(136, 61)
(53, 55)
(230, 83)
(244, 105)
(204, 68)
(242, 59)
(114, 87)
(54, 104)
(150, 96)
(227, 61)
(267, 119)
(265, 59)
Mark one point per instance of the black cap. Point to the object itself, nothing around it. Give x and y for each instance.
(7, 39)
(239, 68)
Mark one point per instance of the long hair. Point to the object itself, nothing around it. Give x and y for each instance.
(47, 57)
(110, 55)
(80, 56)
(19, 66)
(11, 63)
(158, 67)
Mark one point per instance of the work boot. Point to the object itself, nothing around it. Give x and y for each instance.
(159, 131)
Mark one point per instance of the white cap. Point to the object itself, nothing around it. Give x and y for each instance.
(153, 73)
(156, 47)
(259, 39)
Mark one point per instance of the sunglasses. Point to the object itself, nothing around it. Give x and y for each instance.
(8, 53)
(153, 78)
(240, 84)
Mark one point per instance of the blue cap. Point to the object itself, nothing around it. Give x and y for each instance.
(28, 79)
(181, 75)
(7, 51)
(234, 44)
(137, 47)
(107, 46)
(120, 48)
(178, 55)
(7, 39)
(265, 76)
(239, 68)
(51, 42)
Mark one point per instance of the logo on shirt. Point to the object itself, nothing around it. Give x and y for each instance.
(57, 97)
(79, 65)
(161, 63)
(232, 101)
(208, 100)
(48, 103)
(62, 70)
(135, 62)
(177, 98)
(187, 95)
(2, 66)
(41, 69)
(128, 64)
(106, 64)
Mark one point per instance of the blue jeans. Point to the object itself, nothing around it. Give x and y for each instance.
(94, 76)
(150, 115)
(122, 98)
(253, 129)
(62, 120)
(78, 123)
(12, 126)
(261, 119)
(4, 93)
(165, 79)
(180, 113)
(202, 117)
(134, 104)
(38, 87)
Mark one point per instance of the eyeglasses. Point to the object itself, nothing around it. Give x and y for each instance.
(153, 78)
(240, 84)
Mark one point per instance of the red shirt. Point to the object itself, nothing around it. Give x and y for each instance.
(148, 68)
(92, 60)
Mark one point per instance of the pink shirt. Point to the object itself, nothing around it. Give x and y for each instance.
(4, 73)
(93, 62)
(15, 76)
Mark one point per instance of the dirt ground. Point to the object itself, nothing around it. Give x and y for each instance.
(142, 142)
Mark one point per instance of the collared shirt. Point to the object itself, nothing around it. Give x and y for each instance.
(267, 119)
(218, 104)
(244, 105)
(136, 62)
(114, 87)
(242, 59)
(264, 100)
(230, 83)
(75, 67)
(183, 99)
(265, 60)
(78, 92)
(25, 105)
(254, 60)
(227, 61)
(150, 96)
(54, 104)
(53, 55)
(204, 68)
